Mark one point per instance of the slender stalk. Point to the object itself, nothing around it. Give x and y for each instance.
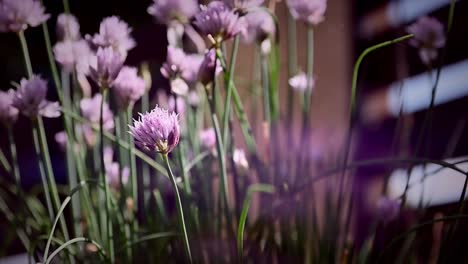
(4, 162)
(292, 62)
(133, 173)
(228, 77)
(179, 207)
(27, 59)
(108, 219)
(310, 71)
(50, 56)
(266, 89)
(14, 158)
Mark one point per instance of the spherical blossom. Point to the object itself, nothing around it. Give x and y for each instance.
(105, 66)
(243, 5)
(208, 138)
(429, 36)
(157, 131)
(90, 109)
(260, 25)
(166, 11)
(299, 82)
(309, 11)
(129, 87)
(73, 55)
(219, 21)
(207, 68)
(17, 15)
(68, 27)
(114, 33)
(8, 113)
(30, 99)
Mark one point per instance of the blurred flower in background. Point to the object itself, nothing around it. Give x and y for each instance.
(90, 109)
(17, 15)
(208, 138)
(387, 209)
(105, 66)
(309, 11)
(67, 27)
(128, 86)
(8, 113)
(243, 5)
(260, 25)
(429, 36)
(73, 55)
(167, 11)
(299, 82)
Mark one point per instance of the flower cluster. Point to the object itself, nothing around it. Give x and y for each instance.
(30, 99)
(8, 113)
(157, 131)
(17, 15)
(310, 12)
(167, 11)
(105, 66)
(219, 22)
(128, 86)
(429, 36)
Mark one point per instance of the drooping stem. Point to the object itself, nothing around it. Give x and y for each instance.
(27, 59)
(108, 220)
(179, 208)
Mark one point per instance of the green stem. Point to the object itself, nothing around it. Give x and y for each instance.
(133, 173)
(50, 56)
(108, 220)
(292, 62)
(266, 88)
(4, 162)
(27, 59)
(309, 71)
(179, 207)
(14, 158)
(228, 77)
(245, 210)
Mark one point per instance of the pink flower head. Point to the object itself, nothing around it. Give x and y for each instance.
(174, 64)
(113, 170)
(156, 131)
(260, 25)
(68, 27)
(128, 86)
(90, 109)
(243, 5)
(17, 15)
(309, 11)
(166, 11)
(73, 55)
(299, 82)
(30, 99)
(105, 66)
(208, 138)
(208, 67)
(114, 33)
(219, 21)
(8, 113)
(191, 67)
(429, 36)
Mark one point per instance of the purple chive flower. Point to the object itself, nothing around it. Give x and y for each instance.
(113, 170)
(167, 11)
(128, 86)
(17, 15)
(90, 109)
(8, 113)
(429, 36)
(193, 98)
(174, 64)
(68, 27)
(191, 67)
(114, 33)
(30, 99)
(219, 21)
(208, 138)
(309, 11)
(208, 66)
(105, 66)
(299, 82)
(260, 25)
(156, 131)
(243, 5)
(73, 55)
(388, 209)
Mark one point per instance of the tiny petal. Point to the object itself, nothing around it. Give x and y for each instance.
(309, 11)
(299, 82)
(179, 86)
(17, 15)
(156, 131)
(240, 159)
(208, 138)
